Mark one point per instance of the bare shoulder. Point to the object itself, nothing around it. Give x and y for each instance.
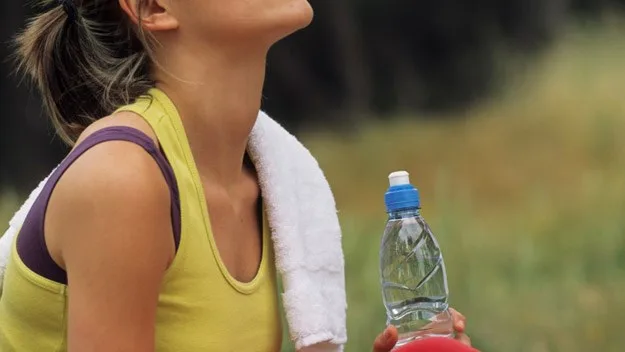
(108, 224)
(111, 170)
(114, 188)
(115, 170)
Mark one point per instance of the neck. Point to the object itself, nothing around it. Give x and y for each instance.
(218, 98)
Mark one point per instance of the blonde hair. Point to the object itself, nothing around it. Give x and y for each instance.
(86, 66)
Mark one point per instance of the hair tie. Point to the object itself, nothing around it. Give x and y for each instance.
(70, 9)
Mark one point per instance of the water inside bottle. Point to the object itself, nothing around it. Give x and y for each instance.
(414, 282)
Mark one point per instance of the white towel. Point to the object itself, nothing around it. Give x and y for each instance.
(305, 232)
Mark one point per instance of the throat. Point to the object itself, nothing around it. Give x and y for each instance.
(236, 220)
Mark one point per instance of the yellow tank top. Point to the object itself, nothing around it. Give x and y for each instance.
(201, 306)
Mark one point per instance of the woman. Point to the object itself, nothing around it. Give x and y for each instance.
(148, 92)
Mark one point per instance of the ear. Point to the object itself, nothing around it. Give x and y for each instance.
(153, 15)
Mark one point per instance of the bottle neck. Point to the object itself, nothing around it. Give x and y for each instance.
(404, 213)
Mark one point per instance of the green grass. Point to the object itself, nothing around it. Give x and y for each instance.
(526, 195)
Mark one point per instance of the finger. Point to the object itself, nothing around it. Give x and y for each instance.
(459, 326)
(464, 338)
(459, 320)
(386, 340)
(457, 314)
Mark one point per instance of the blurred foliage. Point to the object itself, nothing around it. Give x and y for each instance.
(359, 59)
(371, 56)
(525, 194)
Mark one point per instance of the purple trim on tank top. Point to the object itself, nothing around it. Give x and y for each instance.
(31, 243)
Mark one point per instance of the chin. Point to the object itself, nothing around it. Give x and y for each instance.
(298, 14)
(261, 25)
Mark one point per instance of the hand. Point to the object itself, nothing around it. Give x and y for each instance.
(387, 340)
(460, 323)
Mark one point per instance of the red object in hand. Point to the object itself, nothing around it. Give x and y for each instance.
(435, 344)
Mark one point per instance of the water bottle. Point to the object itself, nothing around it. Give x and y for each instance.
(412, 271)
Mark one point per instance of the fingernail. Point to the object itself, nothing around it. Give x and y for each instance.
(387, 334)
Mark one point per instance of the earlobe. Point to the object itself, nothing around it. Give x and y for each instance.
(151, 14)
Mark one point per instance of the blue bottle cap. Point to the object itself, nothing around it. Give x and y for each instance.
(401, 195)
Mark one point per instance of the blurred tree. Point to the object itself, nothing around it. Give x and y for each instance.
(381, 56)
(595, 6)
(359, 57)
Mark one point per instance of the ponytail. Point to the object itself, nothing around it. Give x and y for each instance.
(85, 64)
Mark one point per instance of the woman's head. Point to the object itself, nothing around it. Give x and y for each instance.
(87, 65)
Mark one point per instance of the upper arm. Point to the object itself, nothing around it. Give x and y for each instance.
(109, 220)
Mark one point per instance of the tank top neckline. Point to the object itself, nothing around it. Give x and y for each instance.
(171, 114)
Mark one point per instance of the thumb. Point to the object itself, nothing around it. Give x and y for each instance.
(386, 340)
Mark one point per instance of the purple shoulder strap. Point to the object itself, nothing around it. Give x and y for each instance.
(31, 244)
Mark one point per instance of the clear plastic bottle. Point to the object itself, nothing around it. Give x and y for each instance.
(412, 271)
